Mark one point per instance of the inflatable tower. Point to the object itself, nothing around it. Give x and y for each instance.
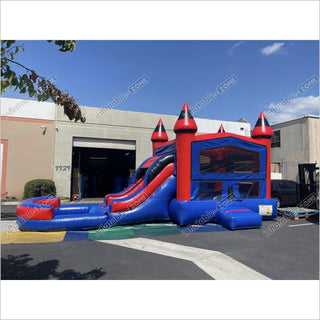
(159, 136)
(185, 129)
(263, 132)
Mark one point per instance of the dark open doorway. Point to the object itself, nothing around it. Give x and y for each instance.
(97, 172)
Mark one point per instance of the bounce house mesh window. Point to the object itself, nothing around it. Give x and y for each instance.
(249, 189)
(229, 159)
(210, 190)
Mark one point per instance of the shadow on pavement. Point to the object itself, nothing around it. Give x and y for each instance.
(314, 219)
(18, 268)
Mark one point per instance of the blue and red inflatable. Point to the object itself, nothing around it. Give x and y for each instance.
(219, 178)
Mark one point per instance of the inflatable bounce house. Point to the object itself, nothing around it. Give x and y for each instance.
(219, 178)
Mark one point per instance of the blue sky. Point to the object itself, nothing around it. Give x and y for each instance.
(267, 72)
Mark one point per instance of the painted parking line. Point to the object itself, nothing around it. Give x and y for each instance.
(31, 237)
(148, 230)
(134, 231)
(11, 234)
(301, 225)
(8, 226)
(218, 265)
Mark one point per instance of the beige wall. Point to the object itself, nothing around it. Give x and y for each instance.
(313, 127)
(30, 153)
(299, 144)
(33, 155)
(115, 125)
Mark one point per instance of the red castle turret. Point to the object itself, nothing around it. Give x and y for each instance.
(159, 136)
(185, 122)
(263, 132)
(185, 129)
(262, 128)
(221, 129)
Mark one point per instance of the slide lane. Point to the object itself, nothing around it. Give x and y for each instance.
(144, 194)
(151, 204)
(126, 193)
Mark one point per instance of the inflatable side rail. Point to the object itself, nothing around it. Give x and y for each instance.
(138, 177)
(137, 199)
(158, 166)
(126, 193)
(140, 172)
(41, 208)
(152, 167)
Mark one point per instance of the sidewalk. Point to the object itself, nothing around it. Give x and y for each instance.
(9, 203)
(83, 201)
(8, 226)
(64, 201)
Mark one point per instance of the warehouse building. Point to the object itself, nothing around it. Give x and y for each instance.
(295, 142)
(94, 158)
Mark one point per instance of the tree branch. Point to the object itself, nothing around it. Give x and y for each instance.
(4, 52)
(21, 65)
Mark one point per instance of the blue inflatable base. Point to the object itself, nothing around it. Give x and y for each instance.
(82, 218)
(95, 216)
(239, 214)
(160, 206)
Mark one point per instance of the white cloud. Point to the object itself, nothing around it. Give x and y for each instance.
(291, 109)
(237, 44)
(276, 47)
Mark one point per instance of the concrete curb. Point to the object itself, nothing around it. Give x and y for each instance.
(10, 203)
(96, 201)
(81, 202)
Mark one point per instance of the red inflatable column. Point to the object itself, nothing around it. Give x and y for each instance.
(185, 129)
(263, 132)
(159, 136)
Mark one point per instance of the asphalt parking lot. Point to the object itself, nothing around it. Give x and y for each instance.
(290, 252)
(8, 212)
